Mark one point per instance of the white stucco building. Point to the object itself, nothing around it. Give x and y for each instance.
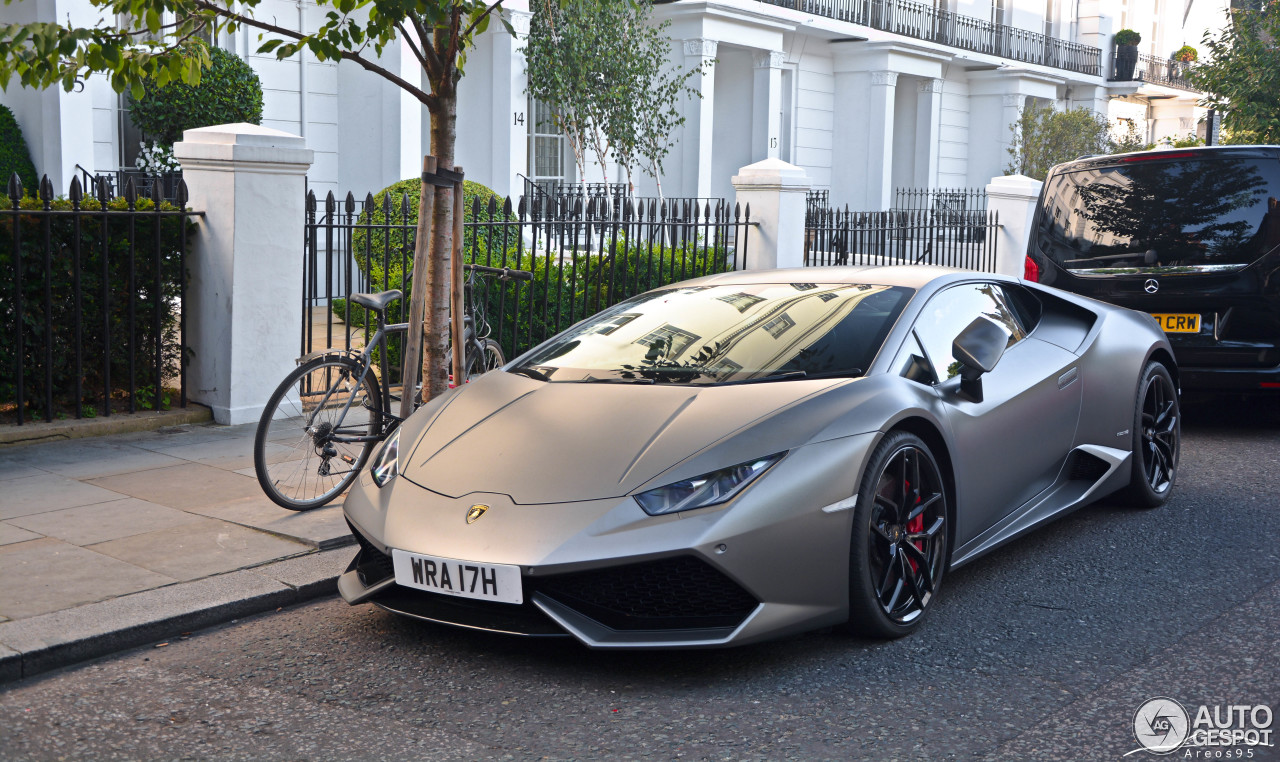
(865, 95)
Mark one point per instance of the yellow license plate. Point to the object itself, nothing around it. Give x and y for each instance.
(1178, 323)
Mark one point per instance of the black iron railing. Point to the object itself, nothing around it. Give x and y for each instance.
(143, 182)
(584, 256)
(925, 22)
(942, 200)
(1160, 71)
(91, 301)
(920, 237)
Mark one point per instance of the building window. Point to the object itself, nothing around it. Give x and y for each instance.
(607, 327)
(742, 301)
(779, 325)
(547, 146)
(668, 341)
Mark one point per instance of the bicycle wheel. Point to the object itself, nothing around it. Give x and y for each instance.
(299, 464)
(490, 358)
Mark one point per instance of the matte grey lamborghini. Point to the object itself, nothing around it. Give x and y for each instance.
(745, 455)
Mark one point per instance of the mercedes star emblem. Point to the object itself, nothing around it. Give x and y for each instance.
(1151, 286)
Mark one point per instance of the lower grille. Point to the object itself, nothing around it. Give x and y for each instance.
(373, 565)
(1087, 468)
(674, 593)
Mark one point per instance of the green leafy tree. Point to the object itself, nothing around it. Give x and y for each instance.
(229, 91)
(14, 156)
(1242, 74)
(147, 48)
(626, 102)
(1044, 136)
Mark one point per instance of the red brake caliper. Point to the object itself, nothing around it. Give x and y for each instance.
(913, 526)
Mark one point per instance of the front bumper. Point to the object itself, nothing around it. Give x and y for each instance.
(770, 563)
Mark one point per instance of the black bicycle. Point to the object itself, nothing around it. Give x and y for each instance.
(322, 422)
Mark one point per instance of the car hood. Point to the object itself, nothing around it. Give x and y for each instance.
(540, 442)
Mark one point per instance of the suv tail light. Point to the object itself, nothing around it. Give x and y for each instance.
(1030, 270)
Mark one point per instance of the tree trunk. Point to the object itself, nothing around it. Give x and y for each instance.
(435, 358)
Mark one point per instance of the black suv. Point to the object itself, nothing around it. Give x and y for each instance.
(1191, 236)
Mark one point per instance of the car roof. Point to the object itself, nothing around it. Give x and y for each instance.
(1170, 154)
(912, 276)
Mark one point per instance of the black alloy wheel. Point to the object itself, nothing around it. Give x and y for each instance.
(899, 551)
(1157, 430)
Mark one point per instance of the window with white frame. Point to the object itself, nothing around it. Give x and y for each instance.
(547, 146)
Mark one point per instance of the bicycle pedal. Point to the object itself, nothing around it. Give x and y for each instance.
(350, 460)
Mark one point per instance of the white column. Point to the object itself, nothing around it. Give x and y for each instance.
(775, 190)
(766, 106)
(244, 296)
(409, 159)
(989, 135)
(1013, 198)
(510, 106)
(695, 177)
(862, 139)
(928, 132)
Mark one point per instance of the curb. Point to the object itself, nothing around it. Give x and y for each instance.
(38, 644)
(36, 432)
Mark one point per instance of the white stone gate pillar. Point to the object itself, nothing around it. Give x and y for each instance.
(776, 192)
(244, 297)
(1013, 198)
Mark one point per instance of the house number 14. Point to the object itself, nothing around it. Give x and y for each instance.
(518, 118)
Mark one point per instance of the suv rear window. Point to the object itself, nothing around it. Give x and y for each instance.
(1148, 214)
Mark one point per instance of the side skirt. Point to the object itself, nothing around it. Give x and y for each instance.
(1092, 471)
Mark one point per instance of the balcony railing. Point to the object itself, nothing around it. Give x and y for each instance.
(1159, 71)
(924, 22)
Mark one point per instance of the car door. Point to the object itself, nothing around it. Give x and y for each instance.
(1010, 446)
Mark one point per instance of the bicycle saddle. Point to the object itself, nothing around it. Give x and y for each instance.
(379, 301)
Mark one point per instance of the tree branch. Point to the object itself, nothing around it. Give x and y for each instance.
(432, 62)
(426, 98)
(480, 18)
(408, 40)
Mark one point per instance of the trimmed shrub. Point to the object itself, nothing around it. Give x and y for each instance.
(1127, 37)
(14, 156)
(229, 91)
(104, 319)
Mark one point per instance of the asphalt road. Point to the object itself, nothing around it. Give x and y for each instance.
(1043, 650)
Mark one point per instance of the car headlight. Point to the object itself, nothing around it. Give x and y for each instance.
(387, 465)
(709, 489)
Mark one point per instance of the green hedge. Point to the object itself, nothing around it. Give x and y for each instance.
(147, 302)
(229, 91)
(14, 156)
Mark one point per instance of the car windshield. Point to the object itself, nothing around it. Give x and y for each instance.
(1152, 214)
(725, 334)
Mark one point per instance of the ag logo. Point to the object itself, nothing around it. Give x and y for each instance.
(1161, 725)
(475, 512)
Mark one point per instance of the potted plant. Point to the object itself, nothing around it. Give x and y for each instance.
(1126, 53)
(1182, 59)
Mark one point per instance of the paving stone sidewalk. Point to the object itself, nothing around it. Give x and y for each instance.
(117, 541)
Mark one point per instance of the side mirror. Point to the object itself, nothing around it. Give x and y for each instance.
(978, 348)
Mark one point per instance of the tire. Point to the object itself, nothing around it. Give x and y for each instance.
(491, 358)
(888, 594)
(291, 462)
(1157, 435)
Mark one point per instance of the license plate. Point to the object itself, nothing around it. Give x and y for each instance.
(1178, 323)
(451, 576)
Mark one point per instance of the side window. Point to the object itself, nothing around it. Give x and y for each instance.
(948, 313)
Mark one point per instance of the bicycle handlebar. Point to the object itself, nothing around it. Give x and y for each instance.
(501, 272)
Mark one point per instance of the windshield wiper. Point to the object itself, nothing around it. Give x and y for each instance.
(616, 380)
(531, 372)
(794, 374)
